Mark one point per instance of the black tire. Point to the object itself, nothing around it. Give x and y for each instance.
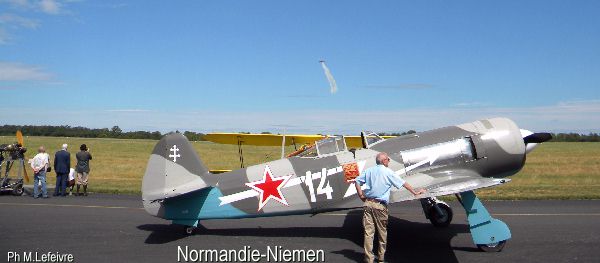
(442, 220)
(188, 230)
(18, 190)
(494, 247)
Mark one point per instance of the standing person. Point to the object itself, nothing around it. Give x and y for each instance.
(379, 180)
(40, 164)
(71, 182)
(62, 165)
(83, 168)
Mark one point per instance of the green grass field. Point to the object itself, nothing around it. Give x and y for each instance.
(555, 170)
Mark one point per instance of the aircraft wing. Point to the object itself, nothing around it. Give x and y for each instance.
(444, 183)
(276, 139)
(261, 139)
(356, 141)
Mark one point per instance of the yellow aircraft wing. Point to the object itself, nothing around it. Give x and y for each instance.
(261, 139)
(276, 139)
(356, 141)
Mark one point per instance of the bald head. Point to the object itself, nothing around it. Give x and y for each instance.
(382, 158)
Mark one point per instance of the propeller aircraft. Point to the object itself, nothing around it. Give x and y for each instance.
(319, 176)
(15, 153)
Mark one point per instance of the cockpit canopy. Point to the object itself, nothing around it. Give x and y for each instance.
(325, 146)
(370, 138)
(335, 144)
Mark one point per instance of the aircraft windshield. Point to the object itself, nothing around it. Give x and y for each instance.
(324, 147)
(371, 138)
(331, 145)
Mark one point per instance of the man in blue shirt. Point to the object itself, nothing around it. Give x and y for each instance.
(379, 180)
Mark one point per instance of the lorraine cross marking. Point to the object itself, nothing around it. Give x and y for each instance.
(174, 155)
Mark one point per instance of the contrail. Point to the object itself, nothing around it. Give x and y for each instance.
(330, 78)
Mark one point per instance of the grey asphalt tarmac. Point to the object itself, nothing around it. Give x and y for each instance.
(114, 228)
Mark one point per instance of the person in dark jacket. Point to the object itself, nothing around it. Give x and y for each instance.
(83, 168)
(62, 165)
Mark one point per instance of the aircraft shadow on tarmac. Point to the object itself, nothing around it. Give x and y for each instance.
(407, 241)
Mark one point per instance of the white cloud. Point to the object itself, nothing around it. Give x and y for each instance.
(22, 4)
(16, 21)
(50, 7)
(20, 72)
(129, 110)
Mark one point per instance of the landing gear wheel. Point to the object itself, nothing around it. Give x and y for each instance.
(492, 247)
(189, 230)
(18, 190)
(443, 219)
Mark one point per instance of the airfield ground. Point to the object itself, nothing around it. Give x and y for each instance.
(114, 228)
(554, 170)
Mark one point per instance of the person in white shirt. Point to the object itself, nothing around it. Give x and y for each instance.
(40, 164)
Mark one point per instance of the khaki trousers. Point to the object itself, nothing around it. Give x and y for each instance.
(375, 218)
(82, 178)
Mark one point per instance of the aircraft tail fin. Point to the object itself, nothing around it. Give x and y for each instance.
(174, 169)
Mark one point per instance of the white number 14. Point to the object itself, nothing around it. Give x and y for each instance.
(322, 188)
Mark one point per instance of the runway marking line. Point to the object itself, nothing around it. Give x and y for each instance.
(563, 214)
(85, 206)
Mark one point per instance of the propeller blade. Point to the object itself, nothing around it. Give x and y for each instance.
(25, 173)
(20, 138)
(538, 137)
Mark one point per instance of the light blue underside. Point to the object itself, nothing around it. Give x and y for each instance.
(484, 228)
(203, 204)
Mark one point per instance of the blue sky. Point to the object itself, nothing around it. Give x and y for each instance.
(253, 65)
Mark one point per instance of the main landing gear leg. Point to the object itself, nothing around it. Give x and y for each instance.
(488, 233)
(188, 225)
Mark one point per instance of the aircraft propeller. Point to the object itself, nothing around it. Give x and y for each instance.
(538, 137)
(531, 139)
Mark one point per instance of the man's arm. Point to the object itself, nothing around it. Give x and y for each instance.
(359, 190)
(32, 165)
(412, 191)
(397, 182)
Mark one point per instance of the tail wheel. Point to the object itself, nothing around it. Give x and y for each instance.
(18, 190)
(442, 219)
(492, 247)
(189, 230)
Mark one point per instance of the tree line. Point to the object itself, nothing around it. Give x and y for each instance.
(68, 131)
(118, 133)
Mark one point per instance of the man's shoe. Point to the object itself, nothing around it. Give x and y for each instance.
(46, 197)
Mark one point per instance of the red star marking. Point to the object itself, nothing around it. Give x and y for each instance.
(269, 188)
